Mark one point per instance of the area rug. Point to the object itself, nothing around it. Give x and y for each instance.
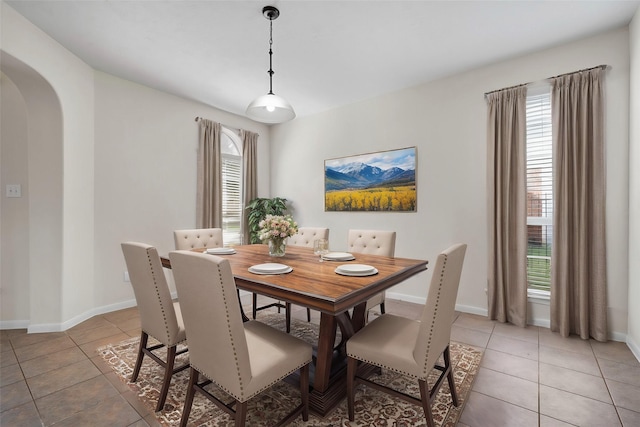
(373, 408)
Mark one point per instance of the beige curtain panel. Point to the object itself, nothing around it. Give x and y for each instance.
(578, 267)
(507, 210)
(209, 173)
(250, 179)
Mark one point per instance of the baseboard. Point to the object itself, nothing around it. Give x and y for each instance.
(14, 324)
(634, 347)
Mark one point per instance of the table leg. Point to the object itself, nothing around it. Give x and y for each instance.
(326, 338)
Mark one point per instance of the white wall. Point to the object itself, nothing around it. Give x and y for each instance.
(445, 120)
(633, 337)
(145, 173)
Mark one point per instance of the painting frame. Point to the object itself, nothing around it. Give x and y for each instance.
(380, 181)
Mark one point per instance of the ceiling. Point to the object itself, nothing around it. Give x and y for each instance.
(325, 53)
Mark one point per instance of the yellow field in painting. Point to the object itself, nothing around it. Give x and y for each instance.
(383, 199)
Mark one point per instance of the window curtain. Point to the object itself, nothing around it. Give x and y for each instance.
(507, 210)
(209, 170)
(578, 267)
(250, 180)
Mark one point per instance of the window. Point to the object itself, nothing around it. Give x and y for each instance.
(539, 190)
(231, 187)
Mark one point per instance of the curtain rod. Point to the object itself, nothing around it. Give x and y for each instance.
(603, 66)
(236, 130)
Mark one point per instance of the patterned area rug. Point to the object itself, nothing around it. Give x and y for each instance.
(373, 408)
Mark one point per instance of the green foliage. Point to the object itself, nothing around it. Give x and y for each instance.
(259, 208)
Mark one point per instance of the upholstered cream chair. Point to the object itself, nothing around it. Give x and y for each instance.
(160, 317)
(304, 237)
(243, 359)
(198, 238)
(374, 242)
(412, 347)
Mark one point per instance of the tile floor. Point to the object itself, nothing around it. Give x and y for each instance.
(528, 377)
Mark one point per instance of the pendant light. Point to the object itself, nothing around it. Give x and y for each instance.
(270, 108)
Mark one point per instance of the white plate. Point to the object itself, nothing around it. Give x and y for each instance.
(270, 268)
(338, 256)
(356, 269)
(221, 251)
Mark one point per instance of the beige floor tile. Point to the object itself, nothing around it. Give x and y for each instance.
(625, 395)
(529, 334)
(10, 374)
(469, 336)
(616, 351)
(90, 348)
(484, 411)
(513, 346)
(30, 339)
(509, 364)
(586, 385)
(8, 358)
(500, 386)
(117, 317)
(52, 361)
(94, 334)
(50, 382)
(568, 359)
(552, 422)
(571, 343)
(620, 372)
(94, 322)
(22, 416)
(14, 395)
(575, 409)
(32, 351)
(629, 418)
(111, 412)
(477, 323)
(64, 403)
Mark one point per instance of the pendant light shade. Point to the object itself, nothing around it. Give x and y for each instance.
(270, 108)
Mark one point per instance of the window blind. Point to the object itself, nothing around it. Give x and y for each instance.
(539, 191)
(231, 199)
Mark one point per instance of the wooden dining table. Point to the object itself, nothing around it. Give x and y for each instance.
(316, 285)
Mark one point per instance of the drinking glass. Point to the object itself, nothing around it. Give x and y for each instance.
(321, 247)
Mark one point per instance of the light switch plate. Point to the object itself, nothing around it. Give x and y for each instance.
(14, 190)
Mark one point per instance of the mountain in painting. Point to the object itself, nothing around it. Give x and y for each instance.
(360, 175)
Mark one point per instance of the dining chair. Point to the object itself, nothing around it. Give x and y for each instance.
(160, 316)
(198, 238)
(373, 242)
(304, 237)
(412, 347)
(242, 359)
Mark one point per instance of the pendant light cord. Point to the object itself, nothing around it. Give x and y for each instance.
(270, 56)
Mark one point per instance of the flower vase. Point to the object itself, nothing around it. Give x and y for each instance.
(277, 248)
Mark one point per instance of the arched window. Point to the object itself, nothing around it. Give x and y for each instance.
(231, 150)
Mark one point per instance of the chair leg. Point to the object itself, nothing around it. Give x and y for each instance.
(304, 391)
(288, 315)
(308, 314)
(382, 309)
(426, 403)
(352, 366)
(143, 344)
(168, 372)
(452, 384)
(188, 401)
(255, 305)
(241, 413)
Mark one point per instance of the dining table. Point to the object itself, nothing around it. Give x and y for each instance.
(340, 299)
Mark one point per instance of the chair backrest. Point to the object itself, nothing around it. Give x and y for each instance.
(198, 238)
(437, 316)
(157, 313)
(306, 235)
(373, 242)
(212, 319)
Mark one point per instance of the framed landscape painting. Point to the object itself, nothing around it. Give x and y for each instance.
(375, 182)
